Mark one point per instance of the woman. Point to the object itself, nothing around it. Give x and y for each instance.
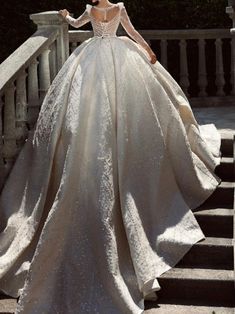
(98, 203)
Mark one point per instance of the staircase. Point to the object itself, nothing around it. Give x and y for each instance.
(203, 281)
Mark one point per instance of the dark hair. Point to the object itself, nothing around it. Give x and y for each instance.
(95, 3)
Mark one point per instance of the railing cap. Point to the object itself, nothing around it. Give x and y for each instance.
(47, 18)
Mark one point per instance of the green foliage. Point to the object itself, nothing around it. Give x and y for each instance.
(16, 27)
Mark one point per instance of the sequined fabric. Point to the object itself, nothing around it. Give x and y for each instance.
(97, 205)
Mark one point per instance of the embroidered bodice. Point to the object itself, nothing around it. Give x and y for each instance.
(107, 27)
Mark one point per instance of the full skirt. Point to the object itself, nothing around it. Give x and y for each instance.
(98, 203)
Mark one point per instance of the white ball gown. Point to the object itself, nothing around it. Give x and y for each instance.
(98, 203)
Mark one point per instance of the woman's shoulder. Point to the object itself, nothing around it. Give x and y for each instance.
(88, 8)
(121, 4)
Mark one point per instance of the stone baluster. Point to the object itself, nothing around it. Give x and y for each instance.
(52, 61)
(44, 74)
(33, 97)
(184, 77)
(220, 81)
(202, 73)
(231, 12)
(73, 46)
(2, 168)
(232, 78)
(52, 19)
(21, 109)
(9, 147)
(164, 53)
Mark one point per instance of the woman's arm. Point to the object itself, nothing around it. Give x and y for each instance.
(129, 28)
(81, 20)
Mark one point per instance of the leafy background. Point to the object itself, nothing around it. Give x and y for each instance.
(16, 27)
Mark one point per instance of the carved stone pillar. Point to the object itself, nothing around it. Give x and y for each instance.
(230, 10)
(184, 76)
(52, 19)
(164, 57)
(220, 81)
(9, 148)
(21, 108)
(2, 168)
(202, 73)
(33, 96)
(44, 74)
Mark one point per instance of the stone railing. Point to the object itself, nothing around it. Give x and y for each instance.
(24, 80)
(163, 38)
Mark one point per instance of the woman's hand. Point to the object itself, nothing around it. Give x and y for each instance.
(63, 12)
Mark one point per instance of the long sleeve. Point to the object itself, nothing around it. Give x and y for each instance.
(81, 20)
(129, 28)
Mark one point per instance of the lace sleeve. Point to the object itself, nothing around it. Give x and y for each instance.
(81, 20)
(129, 28)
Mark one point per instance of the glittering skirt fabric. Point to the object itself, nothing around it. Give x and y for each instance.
(98, 203)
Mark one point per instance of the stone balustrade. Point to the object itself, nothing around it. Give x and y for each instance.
(24, 80)
(162, 39)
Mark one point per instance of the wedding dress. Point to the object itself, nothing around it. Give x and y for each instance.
(98, 203)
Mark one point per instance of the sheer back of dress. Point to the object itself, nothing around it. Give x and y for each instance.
(108, 27)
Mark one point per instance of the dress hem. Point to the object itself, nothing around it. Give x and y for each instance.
(158, 274)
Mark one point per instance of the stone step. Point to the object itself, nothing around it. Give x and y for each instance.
(214, 253)
(222, 196)
(203, 281)
(194, 286)
(187, 309)
(225, 170)
(216, 222)
(7, 305)
(226, 145)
